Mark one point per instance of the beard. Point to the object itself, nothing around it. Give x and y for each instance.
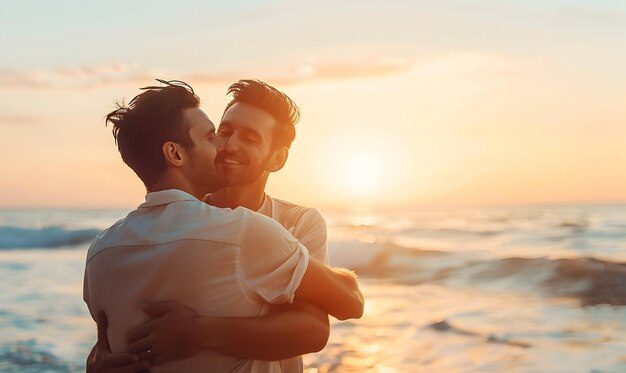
(246, 173)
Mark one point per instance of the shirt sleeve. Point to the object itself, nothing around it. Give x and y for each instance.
(311, 231)
(272, 262)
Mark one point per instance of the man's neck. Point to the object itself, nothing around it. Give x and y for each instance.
(250, 196)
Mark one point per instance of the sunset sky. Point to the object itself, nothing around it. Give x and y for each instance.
(404, 102)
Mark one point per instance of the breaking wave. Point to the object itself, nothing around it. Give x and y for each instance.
(593, 281)
(47, 237)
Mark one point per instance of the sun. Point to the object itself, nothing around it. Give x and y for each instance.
(361, 173)
(356, 167)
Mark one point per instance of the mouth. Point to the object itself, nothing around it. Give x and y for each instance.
(232, 162)
(229, 161)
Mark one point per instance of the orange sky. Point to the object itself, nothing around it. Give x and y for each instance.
(488, 105)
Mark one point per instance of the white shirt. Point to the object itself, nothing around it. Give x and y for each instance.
(220, 262)
(308, 226)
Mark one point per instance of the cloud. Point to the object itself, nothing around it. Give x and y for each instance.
(73, 78)
(593, 14)
(308, 72)
(19, 120)
(101, 76)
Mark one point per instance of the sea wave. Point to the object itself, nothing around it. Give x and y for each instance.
(593, 281)
(47, 237)
(28, 356)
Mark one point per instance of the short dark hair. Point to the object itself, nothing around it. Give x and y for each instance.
(265, 97)
(150, 119)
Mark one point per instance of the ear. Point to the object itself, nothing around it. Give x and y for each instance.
(172, 153)
(279, 157)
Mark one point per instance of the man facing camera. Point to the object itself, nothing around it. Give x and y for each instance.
(258, 127)
(221, 263)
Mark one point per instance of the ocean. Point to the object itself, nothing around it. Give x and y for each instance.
(492, 289)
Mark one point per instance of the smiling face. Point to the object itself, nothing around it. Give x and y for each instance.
(199, 166)
(246, 132)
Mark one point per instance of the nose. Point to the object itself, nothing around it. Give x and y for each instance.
(231, 144)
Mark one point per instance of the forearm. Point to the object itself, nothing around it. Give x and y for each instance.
(288, 331)
(354, 302)
(335, 290)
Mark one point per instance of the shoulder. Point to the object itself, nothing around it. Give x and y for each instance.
(197, 220)
(258, 222)
(286, 206)
(291, 214)
(262, 234)
(179, 221)
(104, 239)
(201, 221)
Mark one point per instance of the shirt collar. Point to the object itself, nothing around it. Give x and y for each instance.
(164, 197)
(267, 208)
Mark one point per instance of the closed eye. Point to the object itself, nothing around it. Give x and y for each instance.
(253, 139)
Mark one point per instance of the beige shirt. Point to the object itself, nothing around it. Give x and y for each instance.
(308, 226)
(220, 262)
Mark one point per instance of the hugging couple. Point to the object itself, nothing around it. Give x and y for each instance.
(210, 273)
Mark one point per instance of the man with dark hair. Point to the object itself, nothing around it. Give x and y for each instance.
(257, 129)
(139, 138)
(211, 260)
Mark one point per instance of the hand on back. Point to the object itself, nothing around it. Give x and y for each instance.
(171, 334)
(102, 360)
